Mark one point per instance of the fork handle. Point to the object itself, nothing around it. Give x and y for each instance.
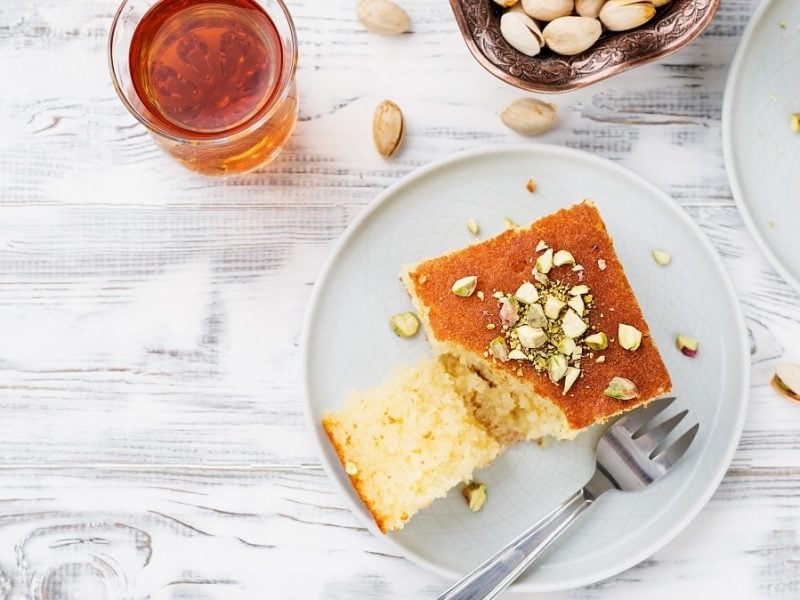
(497, 573)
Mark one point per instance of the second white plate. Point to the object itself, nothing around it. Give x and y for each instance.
(347, 343)
(762, 154)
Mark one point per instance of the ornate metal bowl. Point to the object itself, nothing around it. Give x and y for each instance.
(675, 25)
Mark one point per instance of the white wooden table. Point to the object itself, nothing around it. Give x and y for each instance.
(152, 434)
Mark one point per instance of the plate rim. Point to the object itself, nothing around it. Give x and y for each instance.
(385, 196)
(727, 145)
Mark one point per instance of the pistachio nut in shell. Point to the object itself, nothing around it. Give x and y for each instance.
(572, 35)
(388, 128)
(383, 16)
(529, 116)
(548, 10)
(622, 15)
(589, 8)
(521, 32)
(787, 380)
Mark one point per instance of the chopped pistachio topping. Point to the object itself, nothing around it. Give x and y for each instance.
(545, 262)
(576, 304)
(601, 264)
(473, 227)
(577, 268)
(530, 337)
(579, 290)
(480, 295)
(787, 380)
(563, 257)
(422, 279)
(629, 337)
(542, 245)
(661, 257)
(557, 367)
(687, 345)
(540, 277)
(570, 377)
(573, 326)
(476, 495)
(405, 324)
(509, 311)
(621, 389)
(526, 293)
(567, 346)
(597, 341)
(490, 326)
(553, 307)
(517, 355)
(498, 295)
(351, 468)
(588, 298)
(465, 286)
(535, 316)
(499, 349)
(600, 359)
(509, 223)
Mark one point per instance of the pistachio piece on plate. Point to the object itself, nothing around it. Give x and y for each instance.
(473, 227)
(661, 257)
(476, 495)
(383, 16)
(529, 116)
(405, 324)
(687, 345)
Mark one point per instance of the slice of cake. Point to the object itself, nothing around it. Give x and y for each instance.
(408, 441)
(539, 327)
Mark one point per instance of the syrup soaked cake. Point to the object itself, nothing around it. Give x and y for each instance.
(537, 333)
(539, 327)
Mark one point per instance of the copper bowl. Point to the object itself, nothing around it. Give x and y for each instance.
(674, 26)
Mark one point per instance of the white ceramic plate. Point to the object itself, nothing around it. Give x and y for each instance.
(762, 154)
(348, 344)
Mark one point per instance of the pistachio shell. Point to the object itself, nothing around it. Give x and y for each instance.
(521, 32)
(383, 16)
(387, 128)
(547, 10)
(622, 15)
(589, 8)
(572, 35)
(529, 116)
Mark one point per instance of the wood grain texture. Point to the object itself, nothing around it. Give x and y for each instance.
(153, 440)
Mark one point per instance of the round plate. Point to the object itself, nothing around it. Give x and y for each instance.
(347, 343)
(761, 151)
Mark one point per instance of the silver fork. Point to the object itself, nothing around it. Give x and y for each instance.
(630, 456)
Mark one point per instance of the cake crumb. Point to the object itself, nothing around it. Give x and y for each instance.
(531, 186)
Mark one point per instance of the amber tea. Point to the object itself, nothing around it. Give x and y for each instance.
(210, 77)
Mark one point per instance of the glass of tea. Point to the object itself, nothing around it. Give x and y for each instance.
(213, 80)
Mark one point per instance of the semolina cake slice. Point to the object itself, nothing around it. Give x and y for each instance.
(408, 441)
(539, 327)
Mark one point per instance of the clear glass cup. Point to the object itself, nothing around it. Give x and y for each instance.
(242, 147)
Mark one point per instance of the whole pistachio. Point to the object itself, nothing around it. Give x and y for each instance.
(572, 35)
(521, 32)
(589, 8)
(383, 16)
(529, 116)
(547, 10)
(622, 15)
(387, 128)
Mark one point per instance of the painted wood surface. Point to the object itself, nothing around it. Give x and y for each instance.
(153, 440)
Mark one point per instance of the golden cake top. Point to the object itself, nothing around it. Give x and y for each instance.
(479, 321)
